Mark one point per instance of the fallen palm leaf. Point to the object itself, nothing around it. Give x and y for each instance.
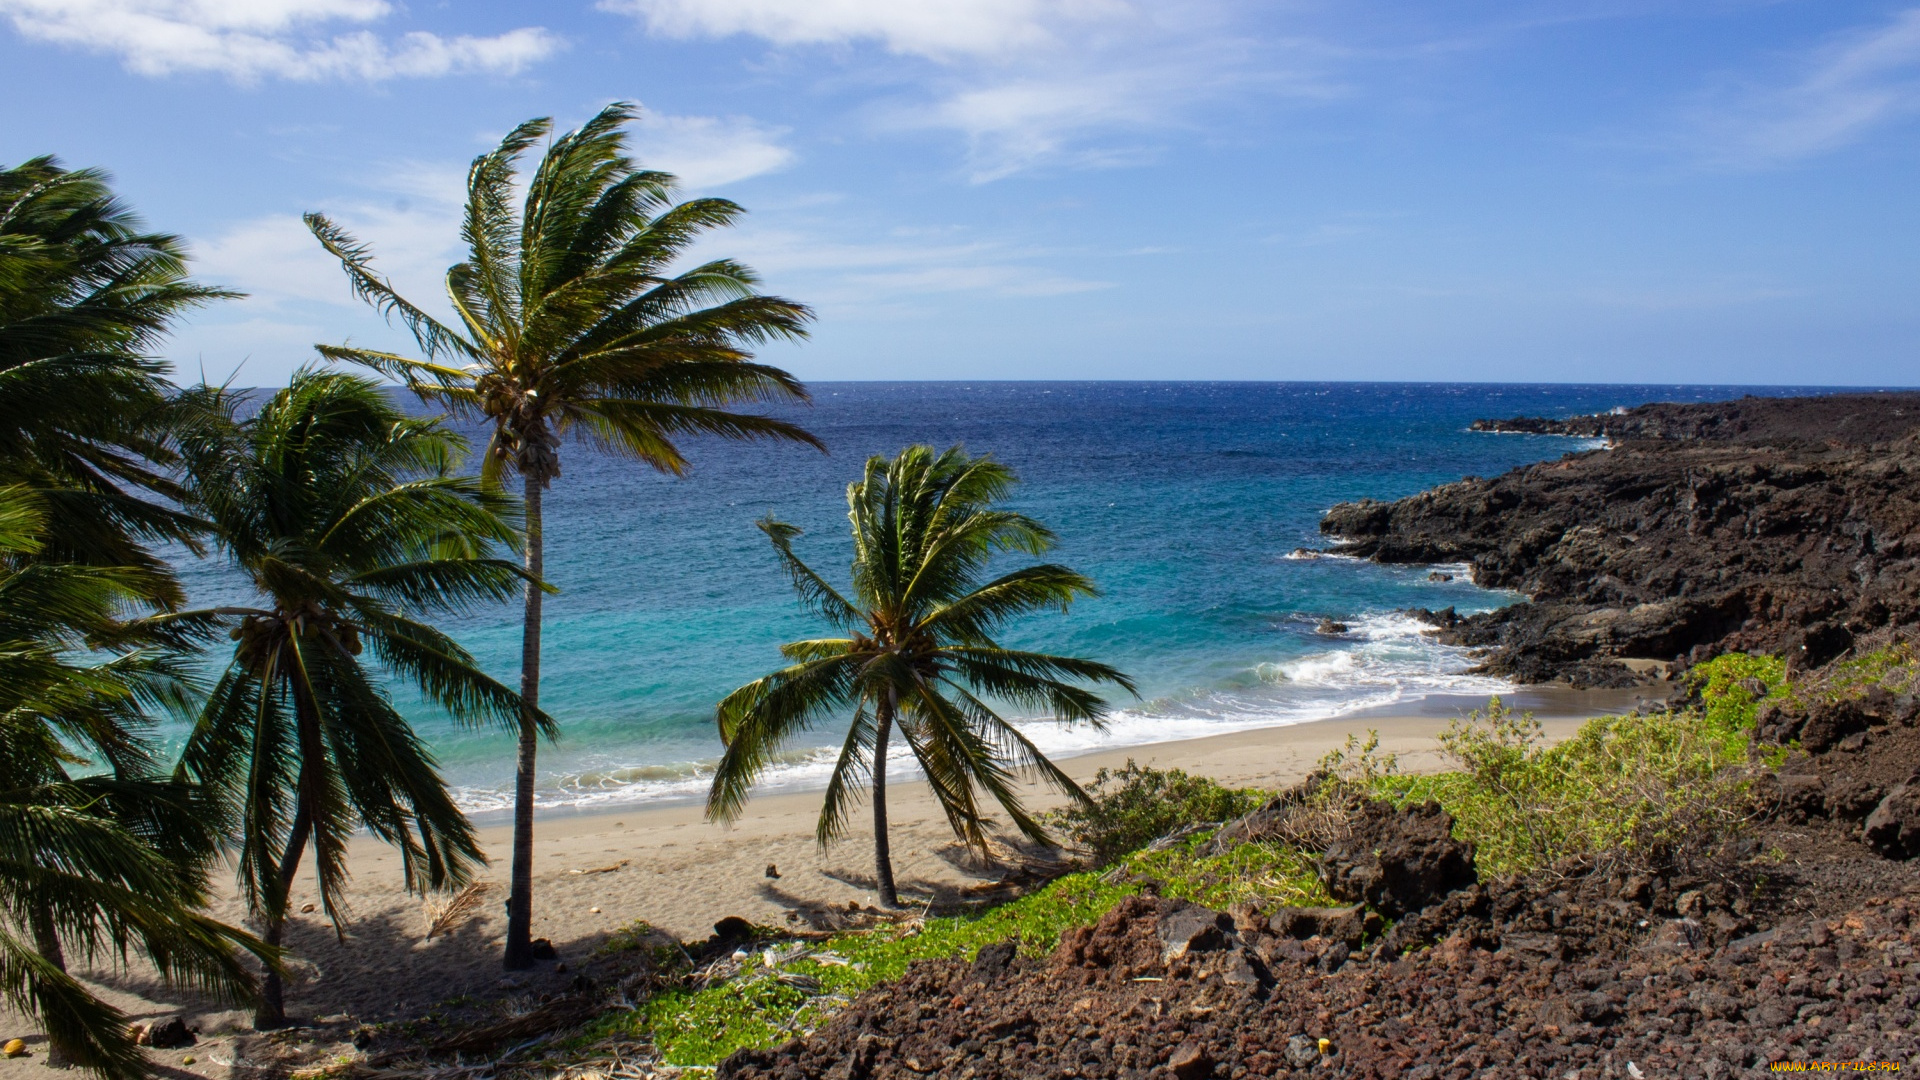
(603, 869)
(444, 916)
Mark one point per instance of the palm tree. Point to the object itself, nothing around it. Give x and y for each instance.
(346, 517)
(84, 293)
(919, 654)
(93, 866)
(571, 321)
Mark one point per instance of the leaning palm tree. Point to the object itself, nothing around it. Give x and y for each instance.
(93, 867)
(85, 294)
(919, 655)
(345, 515)
(571, 320)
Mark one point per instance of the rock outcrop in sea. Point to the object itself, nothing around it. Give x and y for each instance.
(1780, 525)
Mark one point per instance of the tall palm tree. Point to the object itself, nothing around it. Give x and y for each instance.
(571, 320)
(85, 293)
(92, 866)
(919, 654)
(345, 515)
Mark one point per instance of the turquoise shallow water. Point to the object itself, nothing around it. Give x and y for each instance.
(1184, 501)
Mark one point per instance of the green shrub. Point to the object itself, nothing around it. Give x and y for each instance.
(1136, 805)
(1642, 791)
(1726, 688)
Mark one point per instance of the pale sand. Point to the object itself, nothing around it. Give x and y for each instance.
(681, 874)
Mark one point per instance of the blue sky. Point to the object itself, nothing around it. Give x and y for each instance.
(1563, 190)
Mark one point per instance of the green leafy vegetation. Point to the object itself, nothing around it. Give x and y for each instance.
(1648, 790)
(1727, 686)
(770, 1003)
(1130, 807)
(1894, 669)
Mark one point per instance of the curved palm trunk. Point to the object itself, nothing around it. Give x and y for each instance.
(46, 941)
(882, 851)
(272, 1011)
(519, 951)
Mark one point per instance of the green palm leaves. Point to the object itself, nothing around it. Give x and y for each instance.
(345, 515)
(83, 292)
(919, 653)
(572, 319)
(97, 866)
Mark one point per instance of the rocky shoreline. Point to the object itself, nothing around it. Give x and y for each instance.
(1780, 525)
(1802, 946)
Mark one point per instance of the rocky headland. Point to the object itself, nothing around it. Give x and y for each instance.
(1788, 526)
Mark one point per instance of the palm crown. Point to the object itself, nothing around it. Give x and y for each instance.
(919, 652)
(572, 320)
(344, 514)
(84, 292)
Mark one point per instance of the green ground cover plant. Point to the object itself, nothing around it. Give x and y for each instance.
(1894, 668)
(783, 992)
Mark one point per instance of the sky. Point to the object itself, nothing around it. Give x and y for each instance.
(1706, 191)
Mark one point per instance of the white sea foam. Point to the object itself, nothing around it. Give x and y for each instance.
(1382, 660)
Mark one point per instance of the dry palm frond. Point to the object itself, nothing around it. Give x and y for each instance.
(445, 916)
(608, 869)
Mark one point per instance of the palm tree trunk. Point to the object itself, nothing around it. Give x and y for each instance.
(882, 852)
(272, 1012)
(519, 952)
(46, 941)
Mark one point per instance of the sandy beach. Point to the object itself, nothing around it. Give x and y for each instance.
(597, 872)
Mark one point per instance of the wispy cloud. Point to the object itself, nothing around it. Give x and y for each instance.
(1026, 84)
(708, 151)
(948, 31)
(874, 276)
(251, 40)
(1836, 95)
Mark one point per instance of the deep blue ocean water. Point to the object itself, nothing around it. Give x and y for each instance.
(1184, 501)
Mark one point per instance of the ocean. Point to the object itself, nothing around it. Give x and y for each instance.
(1185, 502)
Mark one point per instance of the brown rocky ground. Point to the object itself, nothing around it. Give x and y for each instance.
(1809, 951)
(1801, 946)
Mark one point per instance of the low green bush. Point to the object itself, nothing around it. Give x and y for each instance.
(1133, 806)
(1659, 790)
(1727, 683)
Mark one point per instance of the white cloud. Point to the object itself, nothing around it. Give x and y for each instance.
(248, 40)
(1849, 87)
(411, 220)
(705, 151)
(941, 30)
(1025, 84)
(1022, 123)
(850, 275)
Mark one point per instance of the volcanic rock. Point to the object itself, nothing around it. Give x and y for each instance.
(1789, 526)
(1893, 829)
(1397, 861)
